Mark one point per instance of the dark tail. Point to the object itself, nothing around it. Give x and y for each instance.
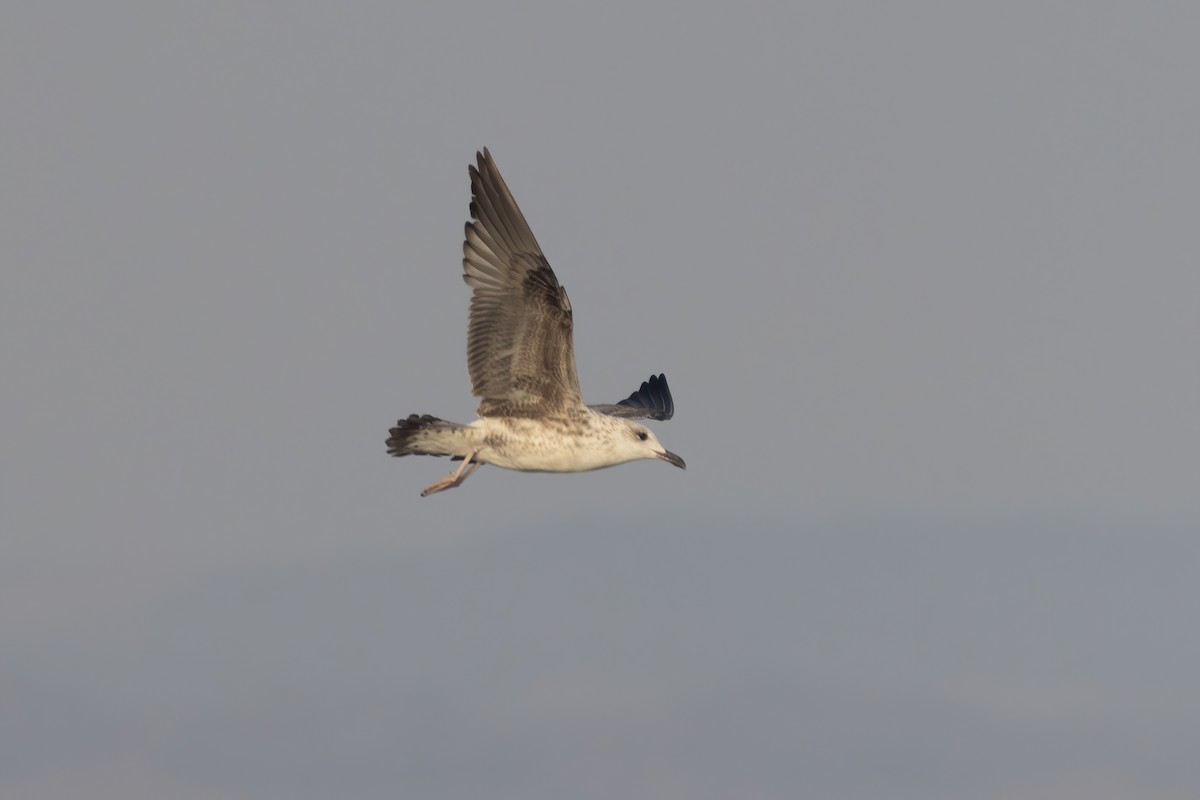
(420, 435)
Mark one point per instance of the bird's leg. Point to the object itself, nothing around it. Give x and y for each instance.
(456, 477)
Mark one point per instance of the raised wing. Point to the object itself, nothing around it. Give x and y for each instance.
(652, 401)
(519, 349)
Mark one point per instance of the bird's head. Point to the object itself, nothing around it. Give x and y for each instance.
(637, 441)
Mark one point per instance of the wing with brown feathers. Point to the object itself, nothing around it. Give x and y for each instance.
(519, 348)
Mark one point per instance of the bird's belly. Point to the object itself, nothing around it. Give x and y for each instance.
(539, 454)
(566, 445)
(559, 460)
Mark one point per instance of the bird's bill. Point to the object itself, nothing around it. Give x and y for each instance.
(671, 458)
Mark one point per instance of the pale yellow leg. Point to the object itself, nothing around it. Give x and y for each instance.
(454, 478)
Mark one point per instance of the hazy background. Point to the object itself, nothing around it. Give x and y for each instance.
(923, 277)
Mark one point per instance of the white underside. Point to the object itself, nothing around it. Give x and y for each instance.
(548, 446)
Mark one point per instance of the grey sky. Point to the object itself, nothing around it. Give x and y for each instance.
(923, 278)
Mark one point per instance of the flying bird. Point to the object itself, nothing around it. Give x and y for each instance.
(522, 364)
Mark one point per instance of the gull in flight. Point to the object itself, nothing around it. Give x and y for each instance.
(522, 364)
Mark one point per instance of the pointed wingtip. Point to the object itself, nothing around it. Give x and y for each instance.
(654, 396)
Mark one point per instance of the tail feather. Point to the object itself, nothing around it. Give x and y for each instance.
(422, 435)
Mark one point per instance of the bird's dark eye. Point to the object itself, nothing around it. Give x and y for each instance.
(642, 435)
